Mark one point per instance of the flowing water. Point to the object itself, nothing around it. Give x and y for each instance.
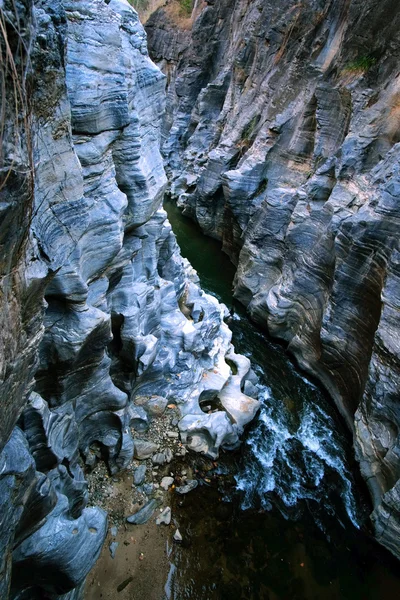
(293, 525)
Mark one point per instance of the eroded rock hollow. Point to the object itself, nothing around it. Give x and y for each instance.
(100, 315)
(281, 139)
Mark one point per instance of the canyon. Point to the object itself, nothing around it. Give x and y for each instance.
(279, 135)
(281, 140)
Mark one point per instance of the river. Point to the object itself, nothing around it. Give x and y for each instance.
(292, 523)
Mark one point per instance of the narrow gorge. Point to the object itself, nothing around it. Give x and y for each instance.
(274, 127)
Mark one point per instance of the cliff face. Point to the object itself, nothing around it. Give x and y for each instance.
(281, 140)
(97, 304)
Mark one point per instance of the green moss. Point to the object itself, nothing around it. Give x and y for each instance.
(232, 365)
(364, 63)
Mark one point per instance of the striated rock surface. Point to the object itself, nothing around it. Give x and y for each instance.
(97, 304)
(282, 140)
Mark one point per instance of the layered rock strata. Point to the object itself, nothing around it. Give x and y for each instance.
(281, 140)
(97, 302)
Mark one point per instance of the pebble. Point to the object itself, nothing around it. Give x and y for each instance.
(156, 406)
(147, 488)
(159, 459)
(173, 434)
(166, 482)
(113, 548)
(164, 517)
(177, 536)
(143, 449)
(144, 514)
(123, 585)
(113, 531)
(188, 487)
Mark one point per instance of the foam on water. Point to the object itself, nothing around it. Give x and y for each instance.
(295, 459)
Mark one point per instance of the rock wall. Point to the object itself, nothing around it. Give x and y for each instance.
(281, 140)
(100, 314)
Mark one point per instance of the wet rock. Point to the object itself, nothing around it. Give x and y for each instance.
(144, 514)
(164, 517)
(250, 390)
(188, 487)
(207, 433)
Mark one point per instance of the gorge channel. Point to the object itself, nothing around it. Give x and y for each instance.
(294, 528)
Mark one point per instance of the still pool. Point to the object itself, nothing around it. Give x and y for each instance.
(292, 523)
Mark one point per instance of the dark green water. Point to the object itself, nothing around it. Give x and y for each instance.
(295, 527)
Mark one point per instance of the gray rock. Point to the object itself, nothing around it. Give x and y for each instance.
(174, 435)
(147, 488)
(166, 483)
(114, 531)
(154, 406)
(139, 475)
(138, 418)
(67, 557)
(144, 514)
(164, 517)
(144, 449)
(162, 457)
(159, 458)
(188, 487)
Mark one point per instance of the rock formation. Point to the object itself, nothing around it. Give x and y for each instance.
(281, 139)
(97, 305)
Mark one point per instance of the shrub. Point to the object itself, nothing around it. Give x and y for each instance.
(186, 7)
